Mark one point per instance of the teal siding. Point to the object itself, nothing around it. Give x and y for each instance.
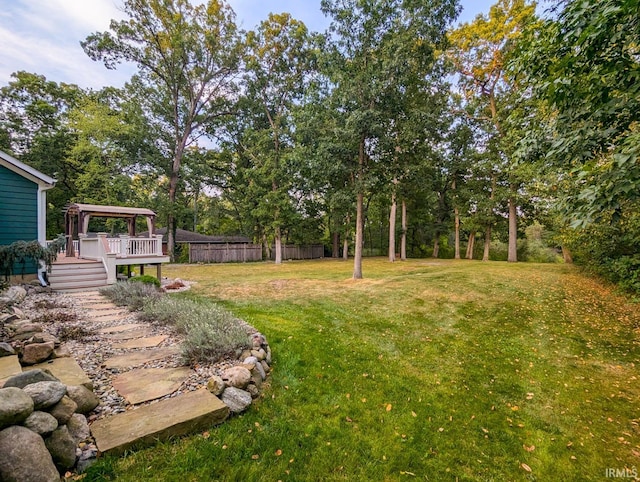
(18, 212)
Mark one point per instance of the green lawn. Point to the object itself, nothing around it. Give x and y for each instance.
(430, 370)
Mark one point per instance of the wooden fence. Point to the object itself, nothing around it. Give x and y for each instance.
(224, 253)
(292, 251)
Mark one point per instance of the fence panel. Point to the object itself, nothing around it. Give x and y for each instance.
(224, 253)
(308, 251)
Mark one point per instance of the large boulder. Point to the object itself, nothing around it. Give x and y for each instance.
(85, 399)
(41, 423)
(216, 385)
(236, 399)
(37, 352)
(62, 448)
(45, 394)
(23, 379)
(12, 296)
(238, 377)
(25, 457)
(15, 406)
(63, 410)
(78, 428)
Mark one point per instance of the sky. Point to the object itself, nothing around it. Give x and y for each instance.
(43, 36)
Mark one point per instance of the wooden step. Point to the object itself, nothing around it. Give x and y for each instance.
(172, 417)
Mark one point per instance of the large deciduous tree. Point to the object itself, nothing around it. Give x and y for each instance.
(479, 51)
(376, 45)
(187, 58)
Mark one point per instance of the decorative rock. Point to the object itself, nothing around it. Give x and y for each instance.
(61, 352)
(266, 367)
(268, 359)
(41, 423)
(25, 457)
(6, 349)
(45, 394)
(237, 377)
(37, 352)
(27, 378)
(26, 327)
(253, 390)
(78, 428)
(15, 406)
(62, 448)
(14, 295)
(84, 398)
(7, 318)
(216, 385)
(259, 354)
(63, 410)
(237, 400)
(43, 338)
(256, 379)
(245, 354)
(249, 360)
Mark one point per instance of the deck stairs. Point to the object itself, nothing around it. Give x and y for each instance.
(80, 276)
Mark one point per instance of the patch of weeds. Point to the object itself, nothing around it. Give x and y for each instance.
(56, 317)
(131, 294)
(210, 331)
(72, 332)
(49, 305)
(176, 285)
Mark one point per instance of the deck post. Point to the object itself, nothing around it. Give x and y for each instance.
(124, 245)
(158, 244)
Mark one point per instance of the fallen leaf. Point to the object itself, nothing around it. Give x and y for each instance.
(388, 407)
(529, 449)
(525, 467)
(407, 473)
(413, 414)
(278, 453)
(349, 419)
(255, 456)
(515, 408)
(206, 434)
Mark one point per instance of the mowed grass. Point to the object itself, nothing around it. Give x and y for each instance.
(424, 370)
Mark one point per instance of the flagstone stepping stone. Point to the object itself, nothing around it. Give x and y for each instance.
(142, 342)
(191, 412)
(130, 334)
(138, 358)
(115, 316)
(101, 306)
(9, 366)
(66, 370)
(119, 328)
(144, 384)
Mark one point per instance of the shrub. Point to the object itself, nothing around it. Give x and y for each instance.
(130, 294)
(72, 332)
(145, 278)
(51, 317)
(210, 331)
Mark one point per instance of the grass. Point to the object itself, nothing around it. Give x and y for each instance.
(425, 370)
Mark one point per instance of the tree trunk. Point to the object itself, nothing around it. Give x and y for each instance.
(566, 255)
(457, 232)
(392, 228)
(471, 244)
(357, 258)
(171, 220)
(335, 248)
(403, 239)
(436, 246)
(278, 246)
(487, 243)
(513, 231)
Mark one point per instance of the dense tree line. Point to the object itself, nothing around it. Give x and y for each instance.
(514, 136)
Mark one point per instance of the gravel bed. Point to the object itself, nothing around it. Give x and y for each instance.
(92, 350)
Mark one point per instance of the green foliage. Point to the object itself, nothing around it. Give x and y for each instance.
(130, 294)
(20, 252)
(147, 279)
(210, 331)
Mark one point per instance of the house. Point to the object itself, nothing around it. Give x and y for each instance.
(23, 205)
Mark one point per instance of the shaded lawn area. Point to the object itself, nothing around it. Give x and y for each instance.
(430, 370)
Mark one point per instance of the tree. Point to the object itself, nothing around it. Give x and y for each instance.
(278, 60)
(374, 47)
(479, 52)
(187, 58)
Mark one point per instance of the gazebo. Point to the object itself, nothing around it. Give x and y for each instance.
(84, 212)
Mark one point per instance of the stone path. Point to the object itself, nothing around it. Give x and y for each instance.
(144, 424)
